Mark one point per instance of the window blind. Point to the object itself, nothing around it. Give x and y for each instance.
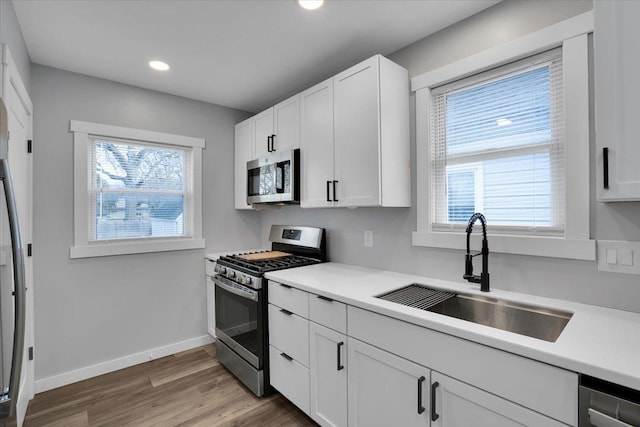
(497, 147)
(139, 190)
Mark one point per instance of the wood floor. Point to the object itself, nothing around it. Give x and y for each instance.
(186, 389)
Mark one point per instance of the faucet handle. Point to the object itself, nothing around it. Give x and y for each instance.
(468, 266)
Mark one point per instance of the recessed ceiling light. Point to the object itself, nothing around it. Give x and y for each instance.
(310, 4)
(159, 65)
(503, 121)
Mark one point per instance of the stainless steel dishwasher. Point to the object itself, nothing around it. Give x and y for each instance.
(603, 404)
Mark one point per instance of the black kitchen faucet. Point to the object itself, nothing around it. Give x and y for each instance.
(483, 278)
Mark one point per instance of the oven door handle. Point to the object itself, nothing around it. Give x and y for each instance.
(244, 293)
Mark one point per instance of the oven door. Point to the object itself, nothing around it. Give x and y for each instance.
(239, 319)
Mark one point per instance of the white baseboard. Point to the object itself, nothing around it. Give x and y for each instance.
(71, 377)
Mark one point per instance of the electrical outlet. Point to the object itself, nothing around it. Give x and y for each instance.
(368, 238)
(619, 256)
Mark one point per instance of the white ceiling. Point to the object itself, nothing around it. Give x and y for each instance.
(245, 54)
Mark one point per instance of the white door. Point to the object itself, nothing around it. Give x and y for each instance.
(19, 118)
(461, 405)
(357, 135)
(384, 389)
(316, 145)
(243, 152)
(286, 124)
(263, 131)
(328, 376)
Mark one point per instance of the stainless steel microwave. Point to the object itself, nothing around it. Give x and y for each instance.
(274, 178)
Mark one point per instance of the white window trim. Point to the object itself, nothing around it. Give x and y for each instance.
(572, 35)
(81, 247)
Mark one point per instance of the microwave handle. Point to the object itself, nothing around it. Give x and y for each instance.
(280, 182)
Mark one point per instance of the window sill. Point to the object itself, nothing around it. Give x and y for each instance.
(553, 247)
(138, 247)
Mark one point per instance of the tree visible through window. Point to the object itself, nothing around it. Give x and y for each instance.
(140, 189)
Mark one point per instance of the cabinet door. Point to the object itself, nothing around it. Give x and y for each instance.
(263, 130)
(242, 154)
(316, 145)
(328, 375)
(617, 87)
(211, 307)
(458, 404)
(384, 389)
(357, 134)
(286, 124)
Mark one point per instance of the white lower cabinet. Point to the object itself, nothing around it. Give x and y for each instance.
(384, 389)
(328, 375)
(289, 377)
(460, 405)
(386, 372)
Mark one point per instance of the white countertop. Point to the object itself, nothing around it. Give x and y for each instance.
(600, 342)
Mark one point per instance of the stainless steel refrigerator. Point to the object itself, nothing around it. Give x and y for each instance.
(12, 287)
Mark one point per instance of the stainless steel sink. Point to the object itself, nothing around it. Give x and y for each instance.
(533, 321)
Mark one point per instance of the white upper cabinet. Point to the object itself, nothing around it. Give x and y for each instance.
(357, 135)
(364, 157)
(263, 131)
(617, 90)
(316, 145)
(278, 128)
(353, 132)
(243, 153)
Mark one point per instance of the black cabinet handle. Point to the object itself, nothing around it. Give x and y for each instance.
(285, 286)
(340, 366)
(434, 415)
(325, 298)
(286, 356)
(328, 185)
(287, 312)
(605, 167)
(420, 407)
(334, 191)
(273, 143)
(269, 144)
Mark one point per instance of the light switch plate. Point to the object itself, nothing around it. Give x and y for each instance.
(619, 256)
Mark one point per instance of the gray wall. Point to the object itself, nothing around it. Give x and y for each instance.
(565, 279)
(97, 309)
(11, 35)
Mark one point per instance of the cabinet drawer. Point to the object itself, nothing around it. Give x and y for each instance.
(544, 388)
(209, 267)
(327, 312)
(292, 299)
(290, 378)
(289, 333)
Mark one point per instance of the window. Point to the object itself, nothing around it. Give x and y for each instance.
(505, 132)
(135, 191)
(498, 147)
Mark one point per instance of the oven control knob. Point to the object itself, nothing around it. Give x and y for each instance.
(231, 274)
(246, 280)
(220, 269)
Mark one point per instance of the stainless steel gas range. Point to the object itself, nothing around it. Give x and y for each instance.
(241, 300)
